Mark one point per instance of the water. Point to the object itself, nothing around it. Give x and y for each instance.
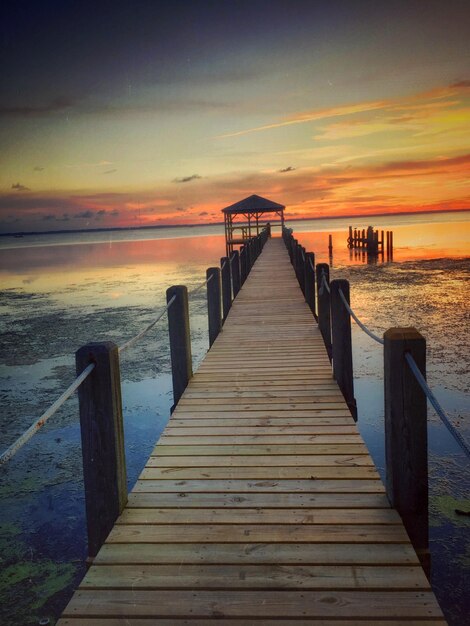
(60, 291)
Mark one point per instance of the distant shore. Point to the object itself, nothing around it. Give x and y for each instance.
(199, 224)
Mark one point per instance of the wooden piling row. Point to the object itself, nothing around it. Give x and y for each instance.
(370, 242)
(405, 402)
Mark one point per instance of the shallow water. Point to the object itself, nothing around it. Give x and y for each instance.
(56, 298)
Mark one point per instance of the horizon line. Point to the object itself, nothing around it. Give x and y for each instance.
(203, 224)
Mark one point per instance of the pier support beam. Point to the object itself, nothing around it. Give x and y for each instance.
(406, 449)
(323, 300)
(180, 340)
(214, 309)
(310, 281)
(235, 270)
(226, 285)
(101, 426)
(342, 343)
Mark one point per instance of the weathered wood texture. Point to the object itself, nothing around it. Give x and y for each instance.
(260, 503)
(102, 433)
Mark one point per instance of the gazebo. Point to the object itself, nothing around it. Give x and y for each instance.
(251, 209)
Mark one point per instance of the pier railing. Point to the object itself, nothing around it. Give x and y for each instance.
(405, 387)
(99, 388)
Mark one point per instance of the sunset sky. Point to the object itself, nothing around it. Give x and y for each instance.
(150, 112)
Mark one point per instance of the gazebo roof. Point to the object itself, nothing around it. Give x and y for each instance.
(253, 204)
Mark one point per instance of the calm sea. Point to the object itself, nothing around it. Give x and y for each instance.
(60, 291)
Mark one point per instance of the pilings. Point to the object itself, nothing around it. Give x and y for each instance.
(370, 242)
(214, 309)
(102, 434)
(180, 340)
(342, 343)
(406, 454)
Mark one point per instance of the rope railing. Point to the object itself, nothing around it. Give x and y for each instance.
(26, 436)
(203, 284)
(324, 284)
(39, 423)
(358, 321)
(135, 339)
(434, 402)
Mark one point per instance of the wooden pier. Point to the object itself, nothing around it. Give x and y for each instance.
(260, 503)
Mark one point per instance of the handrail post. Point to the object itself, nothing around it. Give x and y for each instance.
(102, 434)
(323, 300)
(342, 344)
(406, 449)
(226, 285)
(214, 309)
(302, 263)
(180, 340)
(310, 281)
(243, 264)
(235, 270)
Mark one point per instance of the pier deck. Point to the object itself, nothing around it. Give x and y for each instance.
(260, 503)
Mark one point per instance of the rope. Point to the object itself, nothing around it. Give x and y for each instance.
(323, 284)
(26, 436)
(311, 264)
(223, 265)
(357, 320)
(303, 255)
(135, 339)
(190, 293)
(437, 407)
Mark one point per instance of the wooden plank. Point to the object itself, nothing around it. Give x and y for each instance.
(274, 553)
(254, 577)
(234, 439)
(259, 486)
(83, 621)
(252, 449)
(227, 413)
(269, 603)
(246, 533)
(258, 516)
(256, 500)
(274, 461)
(268, 472)
(195, 422)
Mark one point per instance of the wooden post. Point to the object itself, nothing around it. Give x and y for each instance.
(235, 270)
(101, 426)
(180, 340)
(323, 300)
(406, 453)
(391, 245)
(243, 264)
(214, 309)
(330, 245)
(226, 286)
(302, 263)
(342, 344)
(310, 281)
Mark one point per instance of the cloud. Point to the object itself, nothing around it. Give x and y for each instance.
(203, 213)
(38, 169)
(180, 208)
(287, 169)
(84, 214)
(57, 105)
(109, 172)
(20, 187)
(187, 179)
(312, 115)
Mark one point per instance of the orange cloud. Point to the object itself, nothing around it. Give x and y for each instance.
(363, 107)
